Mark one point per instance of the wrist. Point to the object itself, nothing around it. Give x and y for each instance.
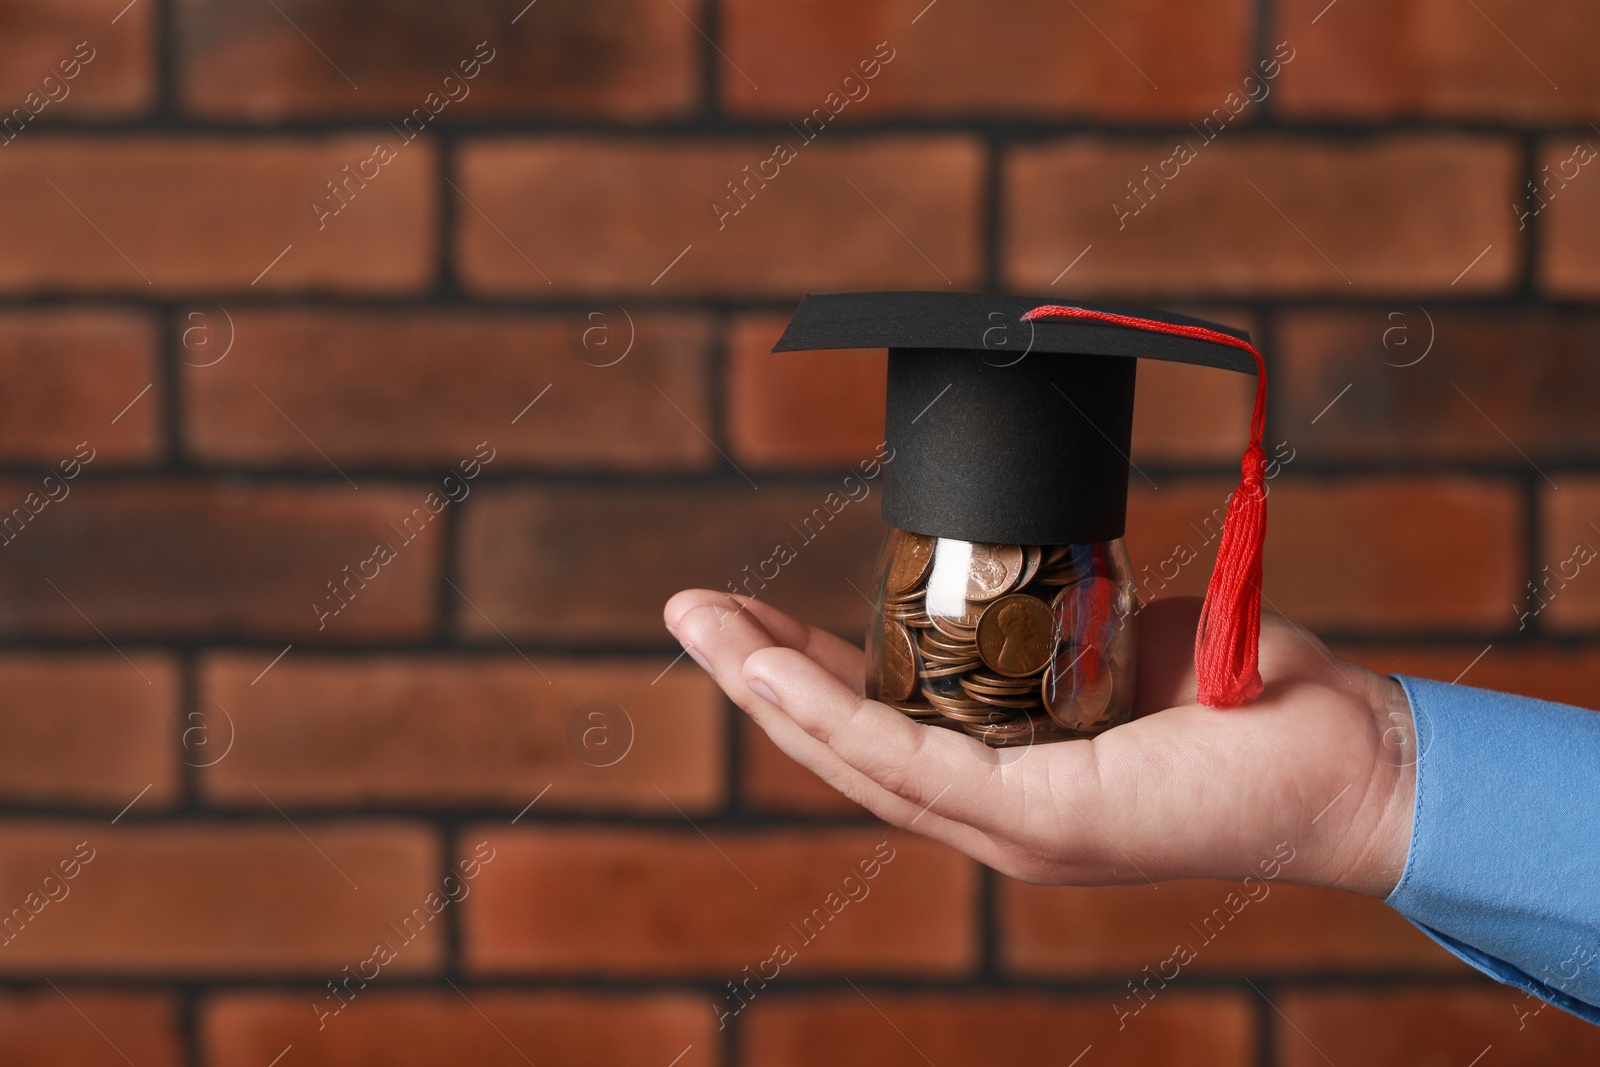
(1377, 840)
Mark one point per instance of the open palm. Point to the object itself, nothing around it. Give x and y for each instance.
(1323, 760)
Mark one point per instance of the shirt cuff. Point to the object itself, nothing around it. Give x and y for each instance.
(1504, 864)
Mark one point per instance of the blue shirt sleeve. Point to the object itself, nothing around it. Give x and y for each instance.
(1504, 865)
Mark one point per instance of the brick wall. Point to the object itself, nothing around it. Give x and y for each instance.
(523, 344)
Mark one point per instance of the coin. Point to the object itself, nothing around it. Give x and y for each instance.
(899, 662)
(937, 637)
(1087, 609)
(943, 653)
(1061, 566)
(980, 714)
(974, 687)
(993, 571)
(1025, 656)
(1016, 635)
(1017, 732)
(915, 710)
(960, 627)
(1017, 701)
(1032, 558)
(912, 559)
(1077, 689)
(949, 670)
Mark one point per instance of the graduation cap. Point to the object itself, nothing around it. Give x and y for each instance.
(1010, 420)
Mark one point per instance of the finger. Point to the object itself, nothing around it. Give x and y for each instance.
(886, 805)
(949, 774)
(836, 655)
(724, 640)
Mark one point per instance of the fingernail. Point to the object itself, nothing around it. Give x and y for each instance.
(698, 658)
(762, 690)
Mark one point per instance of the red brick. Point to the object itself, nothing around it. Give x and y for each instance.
(609, 216)
(217, 559)
(1105, 60)
(618, 58)
(420, 1029)
(242, 899)
(1402, 1028)
(119, 78)
(895, 1029)
(65, 375)
(89, 1028)
(1571, 595)
(1117, 931)
(1486, 378)
(1394, 554)
(1390, 214)
(1188, 414)
(1168, 515)
(345, 375)
(213, 214)
(88, 729)
(1386, 554)
(1570, 223)
(569, 565)
(771, 781)
(677, 902)
(801, 409)
(1435, 58)
(1566, 676)
(465, 731)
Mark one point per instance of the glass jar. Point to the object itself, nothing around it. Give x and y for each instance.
(1011, 644)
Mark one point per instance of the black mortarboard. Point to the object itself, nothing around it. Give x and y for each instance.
(1010, 419)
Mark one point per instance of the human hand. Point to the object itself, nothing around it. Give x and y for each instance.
(1324, 759)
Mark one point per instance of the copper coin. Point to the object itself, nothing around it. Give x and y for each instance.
(993, 571)
(939, 639)
(1077, 689)
(1000, 681)
(915, 619)
(971, 710)
(948, 670)
(936, 653)
(961, 627)
(979, 681)
(941, 701)
(1087, 611)
(899, 662)
(912, 559)
(997, 734)
(1032, 558)
(1016, 635)
(990, 694)
(986, 715)
(945, 654)
(1061, 566)
(1027, 703)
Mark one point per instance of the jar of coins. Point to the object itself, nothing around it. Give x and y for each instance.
(1005, 600)
(1011, 644)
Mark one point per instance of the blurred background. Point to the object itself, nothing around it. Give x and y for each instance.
(370, 373)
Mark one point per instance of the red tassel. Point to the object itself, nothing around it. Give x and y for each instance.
(1227, 644)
